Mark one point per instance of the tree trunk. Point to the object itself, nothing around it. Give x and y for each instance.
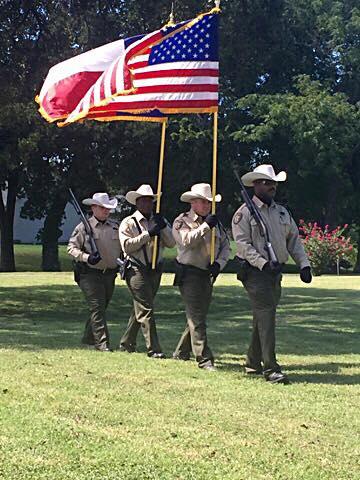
(331, 212)
(7, 213)
(50, 235)
(357, 264)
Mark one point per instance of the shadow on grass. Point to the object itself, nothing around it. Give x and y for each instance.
(324, 373)
(311, 321)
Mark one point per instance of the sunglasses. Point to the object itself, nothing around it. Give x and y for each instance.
(266, 182)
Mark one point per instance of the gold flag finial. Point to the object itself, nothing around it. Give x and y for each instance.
(171, 18)
(171, 21)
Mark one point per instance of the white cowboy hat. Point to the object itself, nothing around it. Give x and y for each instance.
(262, 172)
(200, 190)
(142, 191)
(101, 199)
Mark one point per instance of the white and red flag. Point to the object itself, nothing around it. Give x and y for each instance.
(172, 70)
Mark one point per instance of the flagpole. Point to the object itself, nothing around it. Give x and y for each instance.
(159, 185)
(213, 188)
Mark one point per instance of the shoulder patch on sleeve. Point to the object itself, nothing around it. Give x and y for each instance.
(178, 224)
(238, 216)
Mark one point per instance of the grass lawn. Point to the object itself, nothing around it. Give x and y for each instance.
(69, 413)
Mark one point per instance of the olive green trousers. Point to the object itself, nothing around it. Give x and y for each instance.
(196, 291)
(143, 285)
(264, 291)
(98, 289)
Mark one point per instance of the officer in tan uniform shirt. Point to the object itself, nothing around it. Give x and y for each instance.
(261, 277)
(137, 233)
(195, 275)
(96, 273)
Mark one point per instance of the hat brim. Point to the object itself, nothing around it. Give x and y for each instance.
(110, 206)
(132, 196)
(189, 196)
(249, 178)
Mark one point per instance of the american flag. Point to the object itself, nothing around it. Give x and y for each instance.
(172, 70)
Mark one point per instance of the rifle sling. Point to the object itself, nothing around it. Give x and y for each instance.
(143, 247)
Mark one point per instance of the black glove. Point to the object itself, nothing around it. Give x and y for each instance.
(305, 275)
(272, 267)
(159, 220)
(94, 258)
(214, 269)
(155, 230)
(212, 220)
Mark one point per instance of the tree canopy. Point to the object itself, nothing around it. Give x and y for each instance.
(290, 87)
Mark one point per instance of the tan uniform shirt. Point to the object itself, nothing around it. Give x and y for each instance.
(193, 240)
(106, 239)
(283, 233)
(132, 241)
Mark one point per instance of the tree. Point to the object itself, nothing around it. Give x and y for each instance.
(263, 46)
(313, 134)
(34, 36)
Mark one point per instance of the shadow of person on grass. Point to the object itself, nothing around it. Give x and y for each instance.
(311, 322)
(319, 373)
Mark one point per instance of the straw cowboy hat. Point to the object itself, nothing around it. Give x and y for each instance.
(142, 191)
(101, 199)
(200, 190)
(262, 172)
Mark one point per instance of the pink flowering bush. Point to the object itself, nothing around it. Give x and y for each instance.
(325, 247)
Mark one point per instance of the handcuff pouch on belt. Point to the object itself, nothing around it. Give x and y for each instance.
(80, 268)
(242, 268)
(124, 263)
(181, 270)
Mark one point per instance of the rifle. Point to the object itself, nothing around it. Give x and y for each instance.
(85, 221)
(253, 209)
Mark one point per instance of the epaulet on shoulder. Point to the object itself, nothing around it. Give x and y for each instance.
(124, 222)
(181, 216)
(80, 226)
(284, 207)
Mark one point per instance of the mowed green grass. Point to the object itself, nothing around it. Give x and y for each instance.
(70, 413)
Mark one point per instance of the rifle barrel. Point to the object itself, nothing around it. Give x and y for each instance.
(85, 221)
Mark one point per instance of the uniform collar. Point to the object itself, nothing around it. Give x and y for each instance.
(139, 216)
(94, 222)
(194, 217)
(261, 204)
